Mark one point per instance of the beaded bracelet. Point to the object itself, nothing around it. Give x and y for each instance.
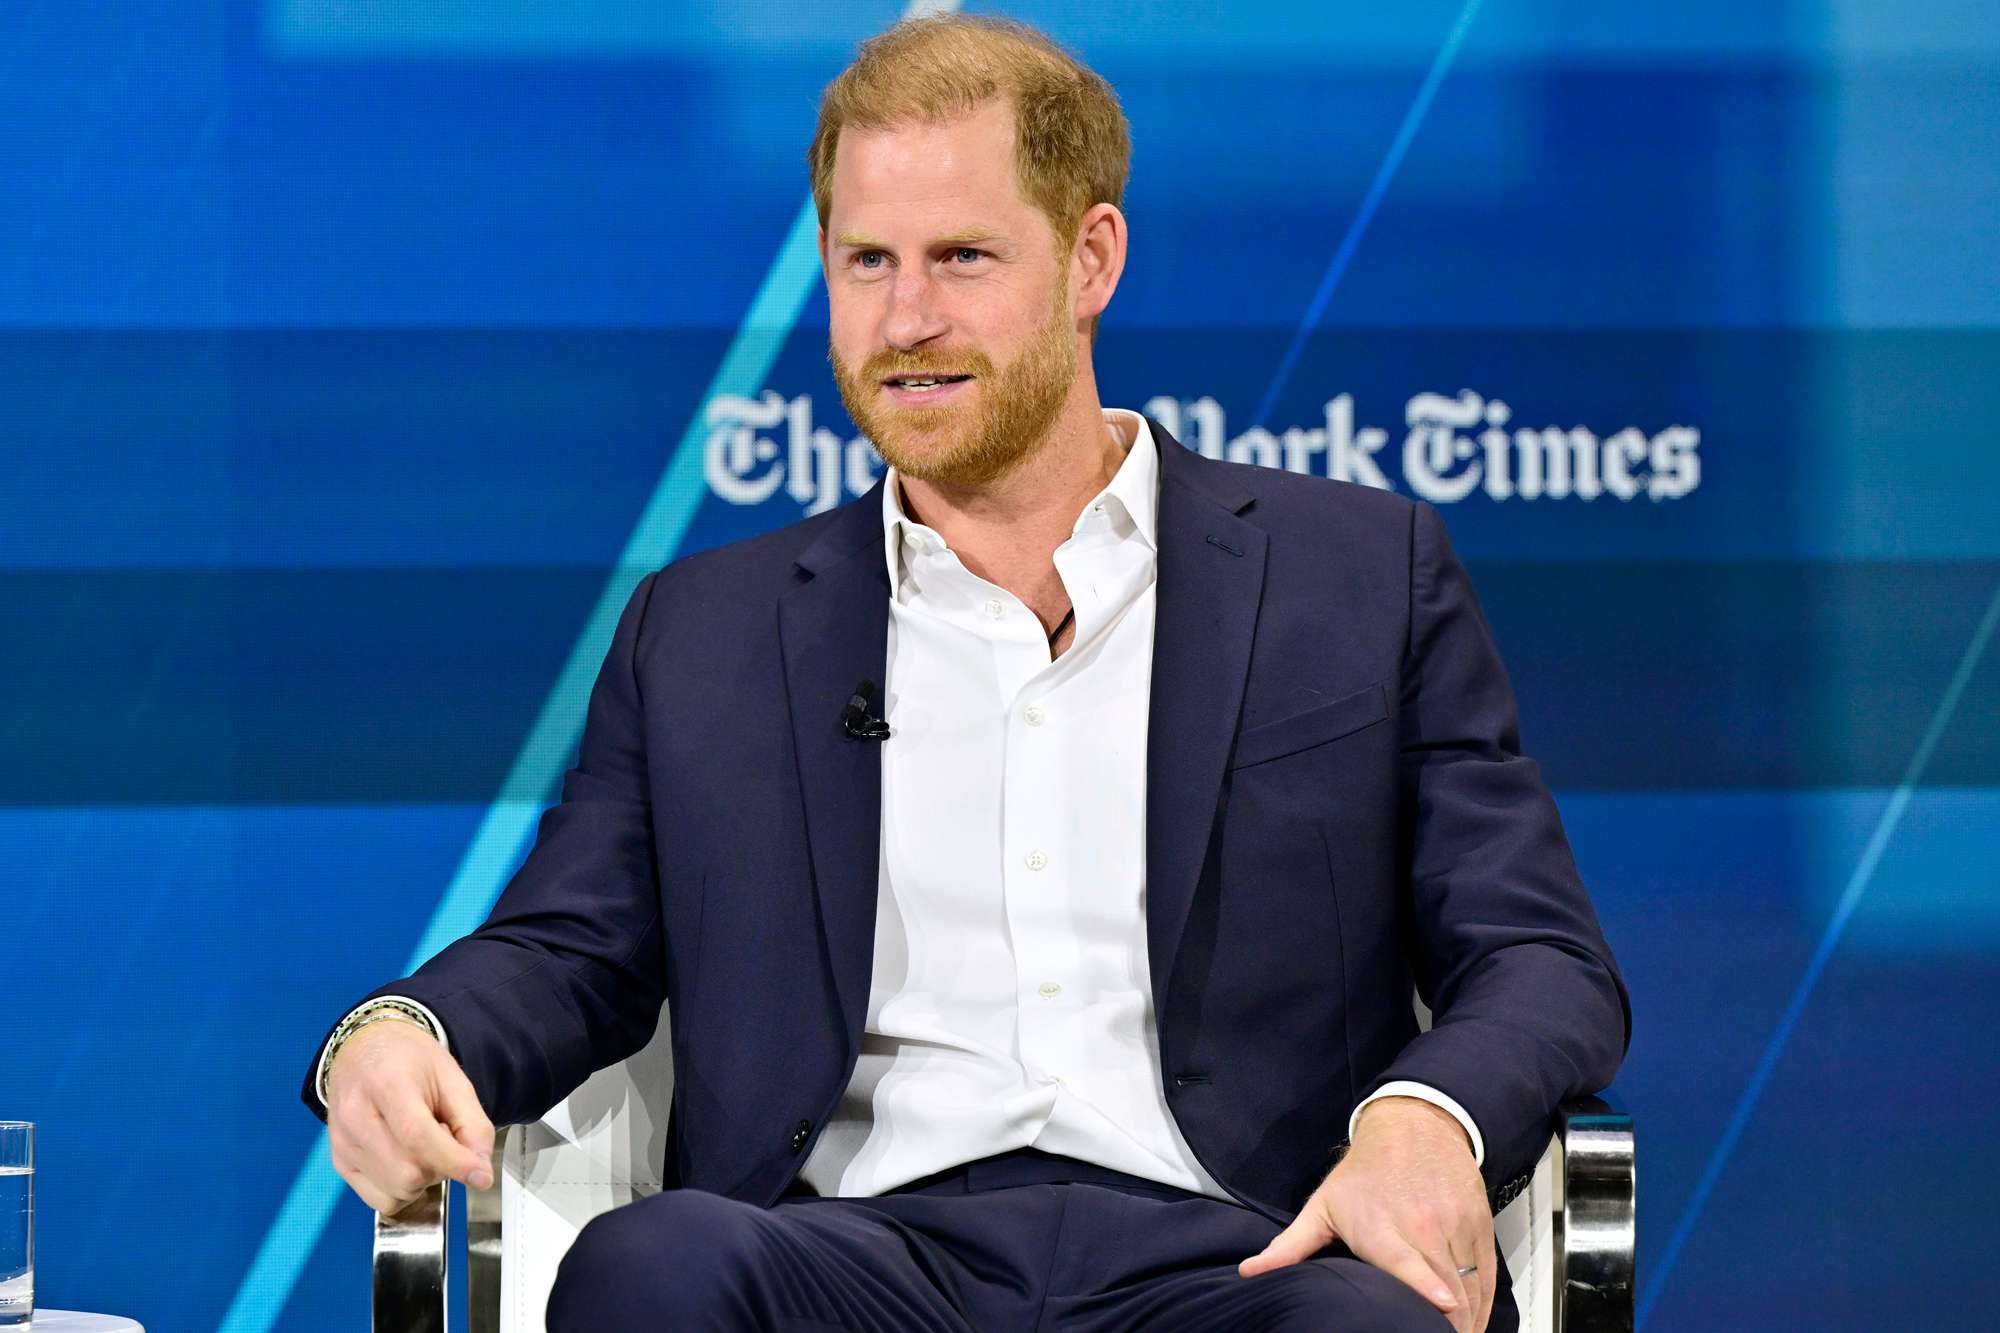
(374, 1012)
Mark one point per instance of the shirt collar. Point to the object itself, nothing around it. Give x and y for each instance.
(1134, 490)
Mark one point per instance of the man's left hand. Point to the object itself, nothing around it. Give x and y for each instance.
(1407, 1199)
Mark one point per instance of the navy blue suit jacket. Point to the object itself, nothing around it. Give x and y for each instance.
(1338, 813)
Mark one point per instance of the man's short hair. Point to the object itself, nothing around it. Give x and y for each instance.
(1072, 146)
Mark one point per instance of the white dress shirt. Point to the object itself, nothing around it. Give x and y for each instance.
(1011, 1000)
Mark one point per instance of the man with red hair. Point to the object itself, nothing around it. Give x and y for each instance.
(1067, 981)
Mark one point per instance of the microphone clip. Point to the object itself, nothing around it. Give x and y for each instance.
(857, 721)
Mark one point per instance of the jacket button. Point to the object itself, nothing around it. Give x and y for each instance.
(801, 1134)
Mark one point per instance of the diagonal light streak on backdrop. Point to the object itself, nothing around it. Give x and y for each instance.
(1843, 912)
(1336, 268)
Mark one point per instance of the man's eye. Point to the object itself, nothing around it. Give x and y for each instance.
(965, 250)
(865, 256)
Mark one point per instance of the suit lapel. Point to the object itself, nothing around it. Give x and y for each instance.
(1210, 583)
(834, 628)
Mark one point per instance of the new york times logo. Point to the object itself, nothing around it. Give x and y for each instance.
(1452, 447)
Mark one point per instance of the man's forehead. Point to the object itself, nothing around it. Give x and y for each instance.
(913, 172)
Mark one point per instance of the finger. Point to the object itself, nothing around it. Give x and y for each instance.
(1416, 1272)
(372, 1161)
(1462, 1292)
(374, 1149)
(1467, 1249)
(1489, 1277)
(459, 1109)
(375, 1199)
(345, 1159)
(1304, 1238)
(379, 1199)
(436, 1152)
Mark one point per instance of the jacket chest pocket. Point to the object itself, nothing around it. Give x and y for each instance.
(1321, 724)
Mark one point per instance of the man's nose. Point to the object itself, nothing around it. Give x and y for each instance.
(913, 316)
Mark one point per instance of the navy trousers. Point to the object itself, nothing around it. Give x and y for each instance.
(1024, 1241)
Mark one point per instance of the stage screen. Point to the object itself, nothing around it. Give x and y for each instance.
(358, 356)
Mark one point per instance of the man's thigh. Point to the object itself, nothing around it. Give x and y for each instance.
(689, 1259)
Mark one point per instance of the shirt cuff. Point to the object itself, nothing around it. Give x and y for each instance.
(437, 1030)
(1424, 1092)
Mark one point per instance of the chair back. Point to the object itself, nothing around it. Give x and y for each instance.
(597, 1149)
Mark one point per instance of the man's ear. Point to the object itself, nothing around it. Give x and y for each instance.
(1098, 259)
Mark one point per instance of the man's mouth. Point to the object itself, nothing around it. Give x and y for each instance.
(923, 384)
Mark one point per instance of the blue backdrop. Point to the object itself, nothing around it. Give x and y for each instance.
(356, 356)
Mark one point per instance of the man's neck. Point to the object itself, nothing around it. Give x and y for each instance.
(1007, 531)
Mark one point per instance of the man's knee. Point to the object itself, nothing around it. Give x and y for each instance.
(682, 1255)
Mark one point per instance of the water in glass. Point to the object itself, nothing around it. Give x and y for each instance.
(17, 1245)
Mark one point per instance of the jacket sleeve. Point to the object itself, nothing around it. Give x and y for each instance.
(1527, 1003)
(567, 974)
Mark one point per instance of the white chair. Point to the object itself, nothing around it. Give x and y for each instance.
(1566, 1229)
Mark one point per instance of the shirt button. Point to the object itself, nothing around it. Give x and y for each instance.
(1037, 860)
(995, 608)
(1048, 990)
(1034, 716)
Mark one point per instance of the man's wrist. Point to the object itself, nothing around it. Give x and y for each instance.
(384, 1008)
(1404, 1110)
(1424, 1092)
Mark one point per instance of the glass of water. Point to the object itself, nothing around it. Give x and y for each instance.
(17, 1223)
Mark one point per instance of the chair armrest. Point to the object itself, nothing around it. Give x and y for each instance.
(410, 1264)
(1595, 1218)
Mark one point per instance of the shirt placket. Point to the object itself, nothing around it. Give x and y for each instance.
(1040, 865)
(1040, 822)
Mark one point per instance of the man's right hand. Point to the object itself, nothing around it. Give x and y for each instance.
(401, 1116)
